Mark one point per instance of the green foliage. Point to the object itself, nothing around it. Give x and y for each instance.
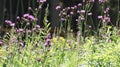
(64, 52)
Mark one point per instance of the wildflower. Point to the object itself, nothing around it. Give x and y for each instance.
(92, 1)
(68, 8)
(107, 19)
(40, 7)
(58, 7)
(47, 43)
(20, 30)
(34, 29)
(1, 42)
(48, 40)
(18, 18)
(29, 8)
(82, 11)
(22, 44)
(82, 18)
(37, 26)
(102, 1)
(78, 11)
(64, 10)
(62, 19)
(71, 13)
(26, 15)
(90, 14)
(75, 7)
(29, 17)
(90, 26)
(13, 39)
(41, 1)
(48, 36)
(12, 24)
(106, 10)
(79, 5)
(100, 17)
(38, 59)
(76, 20)
(68, 16)
(28, 31)
(83, 0)
(64, 13)
(8, 22)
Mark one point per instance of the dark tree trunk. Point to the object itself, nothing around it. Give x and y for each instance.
(1, 12)
(115, 12)
(52, 17)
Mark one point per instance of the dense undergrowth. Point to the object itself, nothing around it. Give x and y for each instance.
(63, 52)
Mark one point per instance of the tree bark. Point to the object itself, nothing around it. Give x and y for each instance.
(1, 12)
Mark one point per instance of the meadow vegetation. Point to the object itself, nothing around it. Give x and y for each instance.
(29, 45)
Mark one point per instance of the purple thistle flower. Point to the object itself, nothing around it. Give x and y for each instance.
(82, 11)
(29, 17)
(106, 10)
(32, 18)
(68, 8)
(79, 5)
(48, 36)
(8, 22)
(92, 1)
(62, 19)
(83, 0)
(71, 13)
(1, 42)
(28, 31)
(12, 24)
(73, 8)
(76, 20)
(37, 26)
(48, 40)
(100, 17)
(58, 7)
(107, 19)
(90, 14)
(29, 8)
(41, 1)
(25, 15)
(22, 44)
(64, 13)
(82, 18)
(78, 11)
(102, 1)
(68, 16)
(13, 39)
(18, 18)
(64, 10)
(20, 30)
(34, 29)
